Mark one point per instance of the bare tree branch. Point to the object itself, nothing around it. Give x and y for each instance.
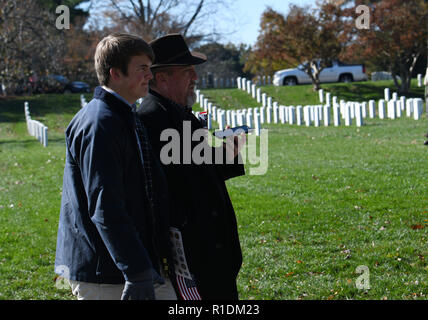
(192, 19)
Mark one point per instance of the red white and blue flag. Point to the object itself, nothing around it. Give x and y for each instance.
(187, 288)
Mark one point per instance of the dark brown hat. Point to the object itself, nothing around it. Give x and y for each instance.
(172, 50)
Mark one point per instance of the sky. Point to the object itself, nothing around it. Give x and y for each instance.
(249, 13)
(240, 24)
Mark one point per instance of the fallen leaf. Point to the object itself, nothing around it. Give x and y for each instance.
(289, 274)
(417, 226)
(299, 261)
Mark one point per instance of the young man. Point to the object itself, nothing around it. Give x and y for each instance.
(202, 214)
(113, 228)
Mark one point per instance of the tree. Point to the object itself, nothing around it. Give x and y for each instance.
(269, 53)
(224, 61)
(396, 38)
(152, 19)
(29, 42)
(311, 38)
(75, 12)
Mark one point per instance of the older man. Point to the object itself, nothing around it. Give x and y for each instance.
(202, 216)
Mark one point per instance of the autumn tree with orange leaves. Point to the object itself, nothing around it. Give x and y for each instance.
(397, 36)
(311, 38)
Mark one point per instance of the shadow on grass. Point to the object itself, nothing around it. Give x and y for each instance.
(12, 109)
(24, 142)
(367, 91)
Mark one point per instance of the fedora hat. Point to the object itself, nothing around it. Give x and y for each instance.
(172, 50)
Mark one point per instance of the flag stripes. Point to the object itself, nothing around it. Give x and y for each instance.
(187, 288)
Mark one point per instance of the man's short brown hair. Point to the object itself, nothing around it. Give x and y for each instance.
(116, 51)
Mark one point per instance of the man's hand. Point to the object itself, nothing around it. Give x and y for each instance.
(234, 146)
(140, 290)
(141, 287)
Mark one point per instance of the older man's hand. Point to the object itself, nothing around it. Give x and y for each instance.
(233, 145)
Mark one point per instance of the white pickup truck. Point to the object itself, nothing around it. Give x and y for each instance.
(336, 72)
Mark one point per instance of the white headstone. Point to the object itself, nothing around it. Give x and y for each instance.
(299, 115)
(327, 98)
(209, 120)
(306, 115)
(409, 107)
(348, 118)
(326, 115)
(372, 109)
(244, 84)
(359, 115)
(291, 114)
(364, 109)
(269, 101)
(316, 116)
(262, 115)
(221, 120)
(269, 114)
(282, 110)
(419, 80)
(398, 108)
(264, 100)
(257, 123)
(233, 119)
(275, 112)
(240, 118)
(321, 95)
(417, 108)
(403, 102)
(250, 119)
(392, 110)
(336, 115)
(387, 94)
(382, 109)
(214, 112)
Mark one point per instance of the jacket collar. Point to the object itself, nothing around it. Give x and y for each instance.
(112, 101)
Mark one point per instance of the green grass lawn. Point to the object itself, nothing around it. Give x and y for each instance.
(333, 199)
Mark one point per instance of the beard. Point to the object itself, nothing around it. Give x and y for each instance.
(191, 99)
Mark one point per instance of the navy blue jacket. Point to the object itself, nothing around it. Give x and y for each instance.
(106, 231)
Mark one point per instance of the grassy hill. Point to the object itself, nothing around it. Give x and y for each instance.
(333, 199)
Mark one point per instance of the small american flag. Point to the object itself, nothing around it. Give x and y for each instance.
(187, 288)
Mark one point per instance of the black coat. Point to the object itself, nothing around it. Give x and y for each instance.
(200, 204)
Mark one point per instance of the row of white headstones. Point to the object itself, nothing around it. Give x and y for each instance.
(36, 128)
(317, 115)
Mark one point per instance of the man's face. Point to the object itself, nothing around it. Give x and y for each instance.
(136, 84)
(181, 85)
